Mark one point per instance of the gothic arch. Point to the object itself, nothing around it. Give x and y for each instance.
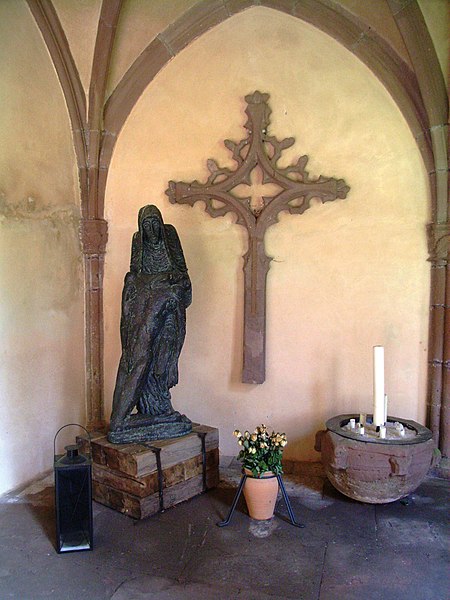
(420, 95)
(365, 43)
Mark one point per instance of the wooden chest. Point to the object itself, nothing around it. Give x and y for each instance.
(126, 477)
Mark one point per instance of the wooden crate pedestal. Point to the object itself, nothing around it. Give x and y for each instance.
(140, 480)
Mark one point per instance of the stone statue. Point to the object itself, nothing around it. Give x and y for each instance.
(156, 293)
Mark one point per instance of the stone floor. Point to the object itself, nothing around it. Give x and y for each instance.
(347, 550)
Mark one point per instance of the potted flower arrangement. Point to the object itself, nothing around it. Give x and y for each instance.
(261, 455)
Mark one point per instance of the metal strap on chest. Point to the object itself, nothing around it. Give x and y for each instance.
(157, 452)
(202, 436)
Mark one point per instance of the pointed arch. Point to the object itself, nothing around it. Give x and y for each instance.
(332, 19)
(420, 94)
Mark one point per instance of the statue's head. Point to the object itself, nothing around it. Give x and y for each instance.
(151, 225)
(154, 247)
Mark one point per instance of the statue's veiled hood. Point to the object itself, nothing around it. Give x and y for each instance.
(156, 246)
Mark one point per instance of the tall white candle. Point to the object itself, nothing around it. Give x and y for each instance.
(378, 385)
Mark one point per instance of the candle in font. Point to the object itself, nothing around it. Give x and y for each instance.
(378, 385)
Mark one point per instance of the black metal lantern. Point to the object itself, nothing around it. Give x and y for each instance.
(73, 497)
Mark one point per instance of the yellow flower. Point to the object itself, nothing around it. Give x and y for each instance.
(253, 437)
(237, 433)
(240, 442)
(247, 435)
(283, 443)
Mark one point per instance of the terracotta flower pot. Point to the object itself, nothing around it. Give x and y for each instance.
(261, 494)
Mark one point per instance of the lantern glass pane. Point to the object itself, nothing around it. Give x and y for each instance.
(74, 509)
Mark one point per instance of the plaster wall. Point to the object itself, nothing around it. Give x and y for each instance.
(41, 314)
(345, 276)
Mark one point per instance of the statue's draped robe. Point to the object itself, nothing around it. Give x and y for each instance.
(156, 293)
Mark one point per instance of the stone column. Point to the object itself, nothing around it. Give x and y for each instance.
(94, 235)
(439, 351)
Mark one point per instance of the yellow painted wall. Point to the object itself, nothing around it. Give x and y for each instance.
(41, 314)
(345, 276)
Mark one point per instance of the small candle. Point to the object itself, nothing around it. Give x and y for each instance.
(361, 431)
(401, 430)
(352, 423)
(382, 432)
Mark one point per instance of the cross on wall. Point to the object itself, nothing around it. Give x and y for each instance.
(257, 190)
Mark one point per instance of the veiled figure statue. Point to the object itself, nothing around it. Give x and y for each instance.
(156, 293)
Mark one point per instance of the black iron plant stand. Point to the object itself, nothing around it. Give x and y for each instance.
(239, 491)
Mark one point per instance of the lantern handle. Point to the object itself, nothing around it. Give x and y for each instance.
(70, 425)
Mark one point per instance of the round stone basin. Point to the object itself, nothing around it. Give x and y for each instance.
(374, 470)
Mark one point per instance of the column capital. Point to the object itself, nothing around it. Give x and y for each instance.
(93, 235)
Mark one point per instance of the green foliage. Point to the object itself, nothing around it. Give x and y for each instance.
(261, 452)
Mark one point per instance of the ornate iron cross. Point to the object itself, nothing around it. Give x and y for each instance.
(257, 190)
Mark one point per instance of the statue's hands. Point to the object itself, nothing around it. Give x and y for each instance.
(159, 280)
(172, 279)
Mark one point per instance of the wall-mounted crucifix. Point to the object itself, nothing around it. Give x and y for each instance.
(257, 190)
